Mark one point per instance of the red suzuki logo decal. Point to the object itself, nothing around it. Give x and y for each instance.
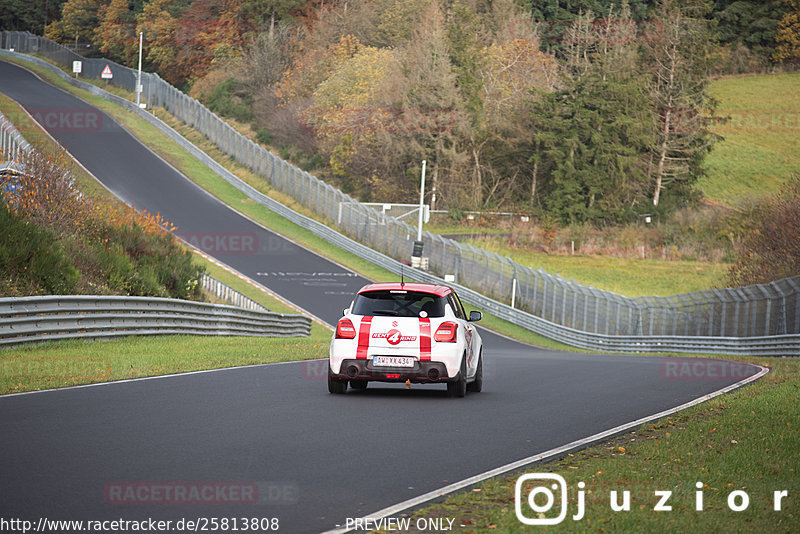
(393, 336)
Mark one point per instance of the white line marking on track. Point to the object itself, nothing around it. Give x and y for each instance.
(143, 378)
(543, 456)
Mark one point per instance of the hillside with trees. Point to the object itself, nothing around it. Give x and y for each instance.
(587, 112)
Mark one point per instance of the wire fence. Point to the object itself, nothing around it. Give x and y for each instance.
(761, 310)
(12, 144)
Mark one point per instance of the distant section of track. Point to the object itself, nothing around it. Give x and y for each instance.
(317, 458)
(139, 177)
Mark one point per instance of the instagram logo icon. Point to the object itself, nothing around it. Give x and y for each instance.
(535, 497)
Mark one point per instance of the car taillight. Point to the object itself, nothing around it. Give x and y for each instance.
(446, 332)
(345, 329)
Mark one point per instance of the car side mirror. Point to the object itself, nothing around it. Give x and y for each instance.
(475, 316)
(345, 311)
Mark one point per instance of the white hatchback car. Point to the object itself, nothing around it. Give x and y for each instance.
(406, 332)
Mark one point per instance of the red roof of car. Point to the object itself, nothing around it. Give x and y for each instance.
(434, 289)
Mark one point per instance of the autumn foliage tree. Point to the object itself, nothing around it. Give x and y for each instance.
(182, 37)
(788, 36)
(772, 250)
(159, 21)
(78, 22)
(508, 112)
(116, 32)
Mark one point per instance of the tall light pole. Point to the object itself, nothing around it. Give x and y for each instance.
(139, 76)
(421, 203)
(416, 253)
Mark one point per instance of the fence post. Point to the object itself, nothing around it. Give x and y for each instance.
(736, 322)
(796, 288)
(575, 293)
(768, 315)
(596, 329)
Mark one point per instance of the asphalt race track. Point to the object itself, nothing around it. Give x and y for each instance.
(316, 459)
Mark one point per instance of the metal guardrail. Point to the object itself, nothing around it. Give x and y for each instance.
(647, 324)
(228, 294)
(56, 317)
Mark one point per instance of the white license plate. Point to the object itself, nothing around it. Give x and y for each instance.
(392, 361)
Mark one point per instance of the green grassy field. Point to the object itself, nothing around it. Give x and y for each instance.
(71, 363)
(631, 277)
(761, 146)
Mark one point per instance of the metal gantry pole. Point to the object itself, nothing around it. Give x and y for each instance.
(139, 74)
(421, 202)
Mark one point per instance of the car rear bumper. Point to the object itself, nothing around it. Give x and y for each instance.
(421, 373)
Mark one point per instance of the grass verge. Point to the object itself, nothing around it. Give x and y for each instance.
(760, 144)
(744, 441)
(70, 363)
(631, 277)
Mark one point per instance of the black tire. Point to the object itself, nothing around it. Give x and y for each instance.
(336, 386)
(458, 387)
(359, 384)
(477, 385)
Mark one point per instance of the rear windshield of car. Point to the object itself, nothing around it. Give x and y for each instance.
(398, 304)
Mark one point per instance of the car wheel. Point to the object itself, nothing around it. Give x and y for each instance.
(477, 384)
(458, 387)
(358, 384)
(336, 386)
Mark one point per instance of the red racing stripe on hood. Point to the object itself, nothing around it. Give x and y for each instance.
(363, 338)
(424, 339)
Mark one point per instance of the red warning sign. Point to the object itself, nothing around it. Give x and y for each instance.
(106, 73)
